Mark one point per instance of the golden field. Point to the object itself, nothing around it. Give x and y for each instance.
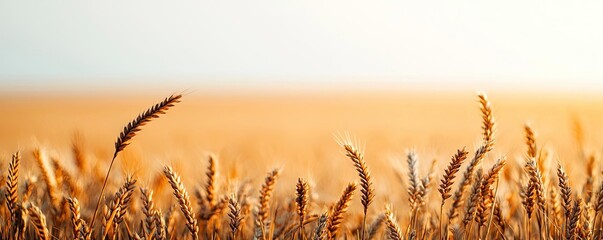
(250, 135)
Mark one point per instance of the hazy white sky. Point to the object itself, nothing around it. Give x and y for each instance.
(550, 44)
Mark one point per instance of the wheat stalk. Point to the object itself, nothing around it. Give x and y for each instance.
(555, 205)
(210, 184)
(450, 173)
(17, 223)
(572, 228)
(530, 141)
(565, 194)
(135, 125)
(480, 154)
(12, 194)
(475, 198)
(393, 229)
(413, 179)
(585, 230)
(536, 182)
(321, 226)
(366, 185)
(487, 121)
(109, 214)
(183, 200)
(74, 206)
(84, 231)
(565, 189)
(39, 222)
(160, 225)
(234, 215)
(125, 196)
(130, 131)
(466, 181)
(448, 179)
(46, 176)
(208, 202)
(264, 199)
(487, 191)
(302, 189)
(337, 211)
(498, 218)
(147, 208)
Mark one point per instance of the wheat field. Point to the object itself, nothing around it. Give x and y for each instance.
(406, 166)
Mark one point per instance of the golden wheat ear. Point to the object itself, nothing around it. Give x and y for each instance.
(565, 191)
(38, 220)
(183, 200)
(488, 193)
(265, 194)
(12, 184)
(393, 229)
(448, 178)
(319, 232)
(74, 207)
(146, 195)
(135, 125)
(234, 215)
(450, 173)
(130, 131)
(488, 124)
(338, 210)
(302, 189)
(356, 155)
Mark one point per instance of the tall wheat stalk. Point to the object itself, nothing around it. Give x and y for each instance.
(129, 132)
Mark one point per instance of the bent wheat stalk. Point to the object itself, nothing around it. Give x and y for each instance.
(129, 132)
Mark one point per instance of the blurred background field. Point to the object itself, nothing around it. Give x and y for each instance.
(251, 134)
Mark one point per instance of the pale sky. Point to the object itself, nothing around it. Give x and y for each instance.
(219, 44)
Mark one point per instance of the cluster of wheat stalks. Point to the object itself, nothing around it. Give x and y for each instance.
(532, 200)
